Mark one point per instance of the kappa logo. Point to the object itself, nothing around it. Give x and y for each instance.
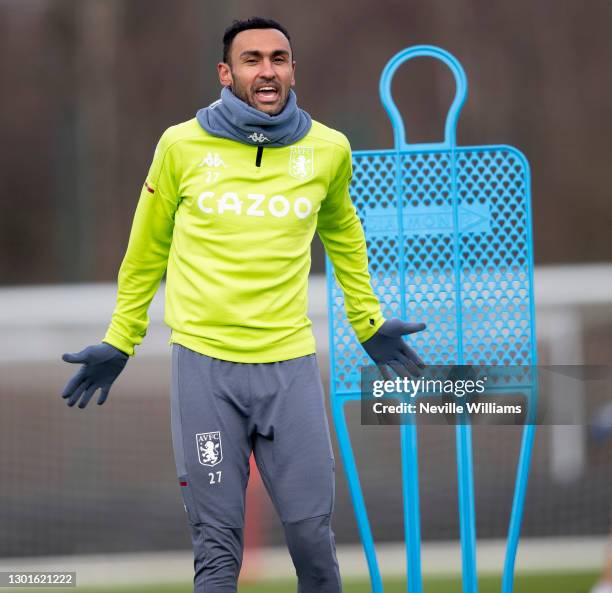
(255, 137)
(212, 159)
(210, 452)
(301, 162)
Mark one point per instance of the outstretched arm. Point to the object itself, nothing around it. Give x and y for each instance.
(140, 274)
(342, 235)
(146, 257)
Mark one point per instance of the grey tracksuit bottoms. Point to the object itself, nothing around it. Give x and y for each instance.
(221, 411)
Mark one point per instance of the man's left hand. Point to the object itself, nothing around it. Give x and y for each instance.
(386, 347)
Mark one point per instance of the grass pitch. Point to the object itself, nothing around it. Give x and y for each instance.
(557, 582)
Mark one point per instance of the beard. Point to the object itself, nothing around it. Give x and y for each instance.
(242, 93)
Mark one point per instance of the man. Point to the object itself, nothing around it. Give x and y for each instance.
(229, 209)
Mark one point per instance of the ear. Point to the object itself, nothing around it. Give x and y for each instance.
(225, 74)
(293, 74)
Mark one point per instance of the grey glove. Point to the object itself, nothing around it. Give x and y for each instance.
(102, 364)
(386, 347)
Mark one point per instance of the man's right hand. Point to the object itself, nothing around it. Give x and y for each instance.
(102, 364)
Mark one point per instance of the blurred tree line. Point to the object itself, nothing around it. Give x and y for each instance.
(88, 86)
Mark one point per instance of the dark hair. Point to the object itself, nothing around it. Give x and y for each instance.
(255, 22)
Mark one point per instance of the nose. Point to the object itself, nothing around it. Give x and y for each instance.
(266, 70)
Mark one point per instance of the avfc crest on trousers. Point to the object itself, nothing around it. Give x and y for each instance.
(301, 162)
(210, 452)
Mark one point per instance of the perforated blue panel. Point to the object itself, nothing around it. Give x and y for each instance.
(463, 266)
(448, 231)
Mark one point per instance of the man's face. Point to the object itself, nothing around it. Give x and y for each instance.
(260, 69)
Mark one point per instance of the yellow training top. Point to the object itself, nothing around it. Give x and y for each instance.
(233, 224)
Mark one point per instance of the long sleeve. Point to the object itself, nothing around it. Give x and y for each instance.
(342, 235)
(146, 257)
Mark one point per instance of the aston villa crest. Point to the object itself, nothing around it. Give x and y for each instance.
(210, 452)
(301, 162)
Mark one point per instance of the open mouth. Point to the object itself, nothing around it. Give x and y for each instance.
(267, 94)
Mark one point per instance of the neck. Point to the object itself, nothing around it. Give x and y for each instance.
(231, 117)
